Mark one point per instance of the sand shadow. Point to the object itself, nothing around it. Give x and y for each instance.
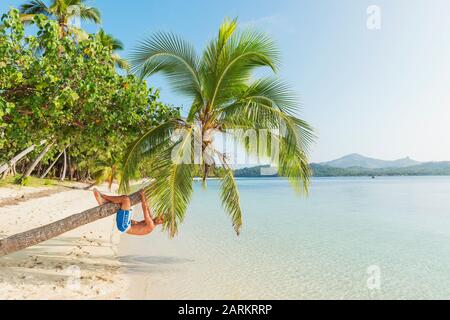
(14, 201)
(149, 264)
(36, 265)
(73, 242)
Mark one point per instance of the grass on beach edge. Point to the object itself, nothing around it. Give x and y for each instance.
(12, 181)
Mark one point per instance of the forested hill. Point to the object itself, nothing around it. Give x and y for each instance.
(319, 170)
(424, 169)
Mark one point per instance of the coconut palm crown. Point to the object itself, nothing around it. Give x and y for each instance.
(115, 45)
(62, 11)
(225, 98)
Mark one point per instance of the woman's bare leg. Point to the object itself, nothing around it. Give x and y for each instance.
(98, 197)
(124, 201)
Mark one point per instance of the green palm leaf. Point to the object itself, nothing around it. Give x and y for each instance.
(114, 45)
(61, 11)
(231, 200)
(144, 147)
(34, 7)
(172, 56)
(172, 190)
(88, 13)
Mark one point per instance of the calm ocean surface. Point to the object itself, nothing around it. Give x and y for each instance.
(319, 247)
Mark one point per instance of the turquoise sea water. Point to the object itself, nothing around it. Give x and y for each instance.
(316, 247)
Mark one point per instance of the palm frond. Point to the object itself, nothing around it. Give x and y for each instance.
(231, 200)
(269, 104)
(175, 58)
(173, 179)
(88, 13)
(240, 56)
(34, 7)
(213, 50)
(120, 62)
(293, 163)
(143, 147)
(109, 40)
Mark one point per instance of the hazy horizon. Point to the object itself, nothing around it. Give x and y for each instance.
(382, 93)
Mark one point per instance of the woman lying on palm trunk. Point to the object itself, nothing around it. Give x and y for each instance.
(125, 224)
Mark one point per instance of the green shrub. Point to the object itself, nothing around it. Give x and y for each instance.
(24, 182)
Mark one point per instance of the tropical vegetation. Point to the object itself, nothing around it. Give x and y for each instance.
(66, 109)
(63, 105)
(62, 11)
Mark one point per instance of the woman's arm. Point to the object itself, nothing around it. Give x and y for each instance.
(146, 209)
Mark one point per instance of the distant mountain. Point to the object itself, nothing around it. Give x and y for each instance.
(357, 160)
(423, 169)
(320, 170)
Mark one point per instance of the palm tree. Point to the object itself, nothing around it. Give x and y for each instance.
(61, 11)
(107, 170)
(114, 44)
(225, 96)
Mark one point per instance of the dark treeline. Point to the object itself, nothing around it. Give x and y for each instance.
(426, 169)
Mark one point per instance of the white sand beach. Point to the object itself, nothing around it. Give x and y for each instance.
(80, 264)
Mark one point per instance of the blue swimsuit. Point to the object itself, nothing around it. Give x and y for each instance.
(123, 220)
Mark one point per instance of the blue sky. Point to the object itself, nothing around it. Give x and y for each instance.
(383, 93)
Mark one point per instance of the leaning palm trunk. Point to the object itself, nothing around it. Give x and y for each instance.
(37, 160)
(33, 237)
(20, 156)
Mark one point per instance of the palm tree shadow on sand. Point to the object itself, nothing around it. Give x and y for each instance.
(39, 265)
(149, 264)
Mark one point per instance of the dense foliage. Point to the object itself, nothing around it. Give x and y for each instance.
(67, 92)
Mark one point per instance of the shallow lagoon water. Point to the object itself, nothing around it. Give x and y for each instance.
(324, 246)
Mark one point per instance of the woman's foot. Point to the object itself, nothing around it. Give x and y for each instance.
(98, 197)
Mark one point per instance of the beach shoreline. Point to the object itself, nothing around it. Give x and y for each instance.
(81, 264)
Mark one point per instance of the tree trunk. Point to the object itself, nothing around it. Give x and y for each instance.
(17, 158)
(33, 237)
(64, 170)
(69, 163)
(111, 178)
(37, 160)
(52, 165)
(5, 174)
